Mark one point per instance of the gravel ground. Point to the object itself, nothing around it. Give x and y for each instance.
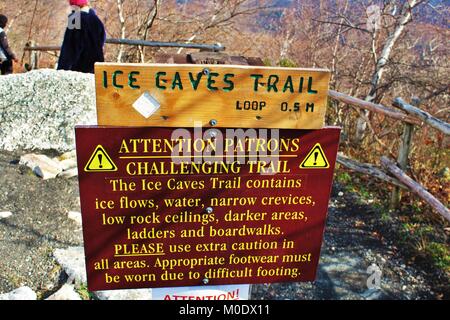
(350, 247)
(40, 224)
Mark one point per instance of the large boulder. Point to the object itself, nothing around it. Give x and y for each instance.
(73, 263)
(67, 292)
(39, 109)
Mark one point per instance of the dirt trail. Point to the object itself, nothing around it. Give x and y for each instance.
(352, 253)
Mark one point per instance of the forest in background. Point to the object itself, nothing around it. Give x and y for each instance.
(406, 55)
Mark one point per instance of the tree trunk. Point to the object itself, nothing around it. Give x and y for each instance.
(403, 20)
(336, 46)
(148, 25)
(122, 28)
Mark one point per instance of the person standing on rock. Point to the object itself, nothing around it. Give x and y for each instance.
(6, 67)
(83, 41)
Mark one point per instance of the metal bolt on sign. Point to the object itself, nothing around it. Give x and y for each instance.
(206, 71)
(209, 210)
(213, 134)
(205, 281)
(213, 122)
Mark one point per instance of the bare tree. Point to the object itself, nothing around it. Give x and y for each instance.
(337, 41)
(122, 21)
(144, 29)
(402, 18)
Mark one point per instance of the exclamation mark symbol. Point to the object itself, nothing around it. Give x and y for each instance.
(100, 161)
(316, 154)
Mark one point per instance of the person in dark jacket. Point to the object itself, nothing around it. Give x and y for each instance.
(83, 41)
(6, 67)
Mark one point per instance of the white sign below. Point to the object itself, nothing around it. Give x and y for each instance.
(225, 292)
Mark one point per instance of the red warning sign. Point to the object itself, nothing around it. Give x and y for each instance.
(166, 207)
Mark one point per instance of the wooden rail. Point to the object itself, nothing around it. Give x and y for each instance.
(368, 169)
(131, 42)
(397, 177)
(415, 187)
(41, 48)
(33, 57)
(378, 108)
(425, 116)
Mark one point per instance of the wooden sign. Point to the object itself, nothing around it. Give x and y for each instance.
(210, 95)
(165, 207)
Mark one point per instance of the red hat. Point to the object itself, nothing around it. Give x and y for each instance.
(79, 3)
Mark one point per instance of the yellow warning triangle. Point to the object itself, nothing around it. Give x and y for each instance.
(315, 159)
(100, 161)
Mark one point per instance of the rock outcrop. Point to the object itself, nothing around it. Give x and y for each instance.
(39, 109)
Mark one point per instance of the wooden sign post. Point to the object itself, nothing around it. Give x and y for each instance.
(240, 96)
(169, 201)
